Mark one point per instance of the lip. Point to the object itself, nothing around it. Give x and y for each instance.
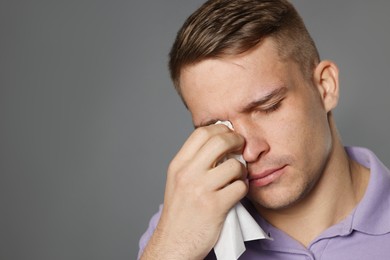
(266, 177)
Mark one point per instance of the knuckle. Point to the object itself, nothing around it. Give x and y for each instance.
(220, 141)
(173, 167)
(177, 174)
(201, 133)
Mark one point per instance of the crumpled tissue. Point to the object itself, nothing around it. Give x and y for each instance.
(239, 225)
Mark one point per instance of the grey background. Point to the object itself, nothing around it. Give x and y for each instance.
(90, 121)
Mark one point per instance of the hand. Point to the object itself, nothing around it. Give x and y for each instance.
(199, 193)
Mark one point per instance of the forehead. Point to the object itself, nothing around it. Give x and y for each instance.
(260, 67)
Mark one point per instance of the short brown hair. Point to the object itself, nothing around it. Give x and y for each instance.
(230, 27)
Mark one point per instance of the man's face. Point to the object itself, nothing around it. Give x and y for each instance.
(275, 108)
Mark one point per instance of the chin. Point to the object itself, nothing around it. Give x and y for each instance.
(277, 205)
(277, 199)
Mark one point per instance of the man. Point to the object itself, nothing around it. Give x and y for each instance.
(253, 63)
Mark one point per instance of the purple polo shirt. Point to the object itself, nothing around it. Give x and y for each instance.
(364, 234)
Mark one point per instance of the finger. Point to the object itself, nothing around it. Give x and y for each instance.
(218, 147)
(226, 173)
(232, 193)
(197, 139)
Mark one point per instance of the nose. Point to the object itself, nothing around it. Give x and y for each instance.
(256, 144)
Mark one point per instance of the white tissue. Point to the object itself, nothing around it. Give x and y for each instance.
(239, 225)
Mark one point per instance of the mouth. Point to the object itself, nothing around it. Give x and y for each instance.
(266, 177)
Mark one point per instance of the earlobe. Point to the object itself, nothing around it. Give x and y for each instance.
(326, 77)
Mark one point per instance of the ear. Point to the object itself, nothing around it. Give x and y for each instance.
(326, 78)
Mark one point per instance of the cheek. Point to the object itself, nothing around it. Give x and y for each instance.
(287, 127)
(313, 139)
(302, 131)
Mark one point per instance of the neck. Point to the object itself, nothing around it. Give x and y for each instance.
(336, 194)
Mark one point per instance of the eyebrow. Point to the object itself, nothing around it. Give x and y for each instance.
(276, 93)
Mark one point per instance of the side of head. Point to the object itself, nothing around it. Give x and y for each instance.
(221, 28)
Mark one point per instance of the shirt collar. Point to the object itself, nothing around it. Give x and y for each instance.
(372, 214)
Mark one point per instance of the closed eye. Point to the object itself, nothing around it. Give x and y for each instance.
(268, 103)
(272, 108)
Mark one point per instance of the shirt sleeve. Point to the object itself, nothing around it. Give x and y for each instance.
(149, 232)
